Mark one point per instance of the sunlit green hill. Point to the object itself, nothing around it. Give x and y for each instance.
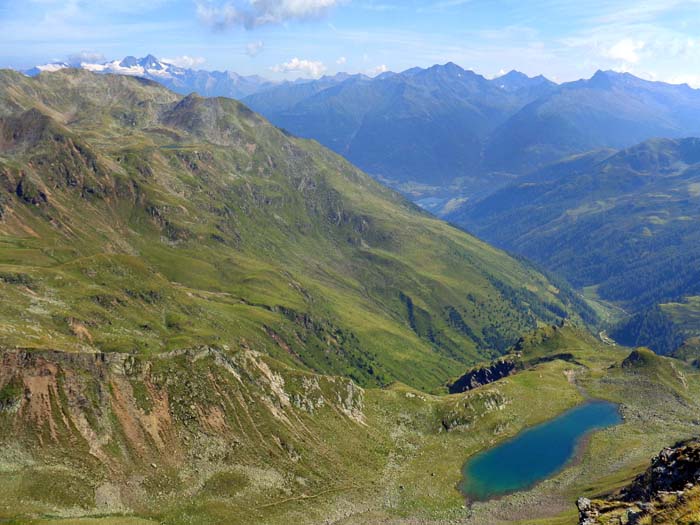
(138, 221)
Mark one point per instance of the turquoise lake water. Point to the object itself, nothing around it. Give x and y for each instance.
(536, 453)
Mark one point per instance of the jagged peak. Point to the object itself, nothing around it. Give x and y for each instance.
(151, 62)
(129, 61)
(607, 78)
(453, 66)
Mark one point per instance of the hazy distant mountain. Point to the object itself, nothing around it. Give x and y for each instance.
(443, 133)
(623, 223)
(180, 80)
(422, 128)
(514, 81)
(425, 126)
(446, 131)
(284, 96)
(610, 109)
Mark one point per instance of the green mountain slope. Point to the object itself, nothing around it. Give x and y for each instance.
(186, 294)
(624, 224)
(134, 220)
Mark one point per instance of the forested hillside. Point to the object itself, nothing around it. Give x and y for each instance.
(623, 225)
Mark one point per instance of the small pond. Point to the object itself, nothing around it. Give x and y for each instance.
(536, 453)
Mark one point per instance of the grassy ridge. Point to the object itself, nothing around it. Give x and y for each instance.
(139, 221)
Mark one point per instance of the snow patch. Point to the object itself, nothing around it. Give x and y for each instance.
(50, 68)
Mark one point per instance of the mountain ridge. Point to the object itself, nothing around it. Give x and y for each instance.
(202, 196)
(179, 79)
(442, 133)
(610, 109)
(422, 126)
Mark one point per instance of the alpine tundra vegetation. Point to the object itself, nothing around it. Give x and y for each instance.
(348, 262)
(208, 320)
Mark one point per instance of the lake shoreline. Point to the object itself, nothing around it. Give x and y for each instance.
(558, 444)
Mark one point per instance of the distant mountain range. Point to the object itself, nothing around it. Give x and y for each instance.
(610, 110)
(621, 224)
(443, 134)
(423, 130)
(179, 79)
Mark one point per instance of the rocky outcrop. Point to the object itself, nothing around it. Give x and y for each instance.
(120, 415)
(116, 433)
(672, 470)
(468, 412)
(588, 514)
(639, 358)
(522, 355)
(668, 488)
(477, 377)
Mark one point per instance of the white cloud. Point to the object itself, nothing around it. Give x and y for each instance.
(254, 13)
(640, 11)
(665, 50)
(378, 70)
(83, 57)
(253, 49)
(627, 50)
(185, 61)
(50, 68)
(308, 68)
(341, 61)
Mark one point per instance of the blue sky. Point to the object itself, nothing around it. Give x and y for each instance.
(562, 39)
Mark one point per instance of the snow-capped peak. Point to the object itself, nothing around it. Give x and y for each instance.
(146, 66)
(179, 79)
(54, 66)
(150, 62)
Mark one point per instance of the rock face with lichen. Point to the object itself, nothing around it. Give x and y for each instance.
(588, 514)
(667, 492)
(672, 470)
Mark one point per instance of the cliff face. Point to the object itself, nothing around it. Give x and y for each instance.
(674, 469)
(484, 375)
(531, 349)
(667, 492)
